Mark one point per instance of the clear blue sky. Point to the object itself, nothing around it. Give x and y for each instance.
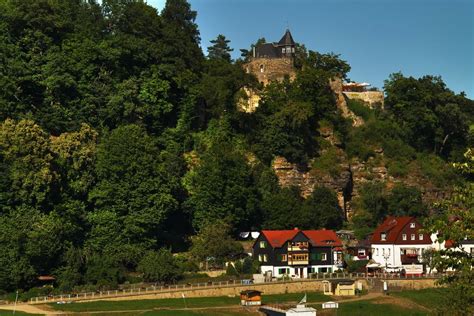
(376, 37)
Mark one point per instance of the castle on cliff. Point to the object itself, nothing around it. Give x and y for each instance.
(275, 61)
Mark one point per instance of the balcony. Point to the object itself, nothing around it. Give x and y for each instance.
(298, 246)
(298, 259)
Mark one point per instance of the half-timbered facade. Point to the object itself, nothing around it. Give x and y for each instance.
(297, 253)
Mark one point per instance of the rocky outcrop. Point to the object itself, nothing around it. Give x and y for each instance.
(336, 87)
(350, 178)
(290, 175)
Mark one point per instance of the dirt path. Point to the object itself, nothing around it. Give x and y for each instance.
(32, 309)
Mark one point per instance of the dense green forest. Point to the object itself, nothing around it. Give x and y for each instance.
(121, 142)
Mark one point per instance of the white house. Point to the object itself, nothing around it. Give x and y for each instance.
(398, 243)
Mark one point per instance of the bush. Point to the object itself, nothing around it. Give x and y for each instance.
(356, 266)
(359, 108)
(231, 270)
(160, 266)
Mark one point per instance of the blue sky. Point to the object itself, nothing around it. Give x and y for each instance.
(376, 37)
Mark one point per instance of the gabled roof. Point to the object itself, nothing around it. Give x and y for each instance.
(277, 238)
(287, 39)
(322, 237)
(392, 227)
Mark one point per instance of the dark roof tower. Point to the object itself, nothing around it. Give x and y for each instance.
(287, 39)
(285, 48)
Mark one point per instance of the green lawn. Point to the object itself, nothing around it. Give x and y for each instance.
(178, 303)
(368, 308)
(4, 312)
(430, 298)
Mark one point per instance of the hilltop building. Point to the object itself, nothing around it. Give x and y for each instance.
(275, 62)
(270, 62)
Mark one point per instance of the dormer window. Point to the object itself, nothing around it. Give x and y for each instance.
(412, 225)
(383, 236)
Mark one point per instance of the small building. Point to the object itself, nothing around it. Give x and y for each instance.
(339, 287)
(250, 298)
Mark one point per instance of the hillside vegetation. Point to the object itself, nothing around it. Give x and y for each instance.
(120, 142)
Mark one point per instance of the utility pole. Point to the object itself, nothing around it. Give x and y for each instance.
(16, 300)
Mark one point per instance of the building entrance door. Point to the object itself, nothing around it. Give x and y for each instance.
(301, 273)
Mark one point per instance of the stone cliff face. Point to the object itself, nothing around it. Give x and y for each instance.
(350, 178)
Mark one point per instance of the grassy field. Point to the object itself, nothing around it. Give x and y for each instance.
(406, 303)
(370, 308)
(4, 312)
(430, 298)
(178, 303)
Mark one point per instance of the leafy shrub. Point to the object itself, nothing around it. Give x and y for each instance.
(329, 162)
(356, 265)
(160, 266)
(359, 108)
(398, 168)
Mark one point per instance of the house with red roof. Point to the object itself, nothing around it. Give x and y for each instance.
(298, 253)
(398, 243)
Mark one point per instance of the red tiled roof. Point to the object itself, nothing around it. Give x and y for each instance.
(392, 227)
(323, 237)
(449, 243)
(277, 238)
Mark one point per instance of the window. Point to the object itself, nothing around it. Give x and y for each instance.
(412, 236)
(388, 252)
(383, 236)
(412, 225)
(383, 252)
(262, 258)
(284, 271)
(311, 270)
(377, 251)
(261, 68)
(404, 236)
(283, 50)
(292, 49)
(324, 257)
(284, 258)
(420, 236)
(361, 252)
(263, 244)
(472, 250)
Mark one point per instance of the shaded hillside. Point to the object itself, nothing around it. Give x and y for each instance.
(120, 140)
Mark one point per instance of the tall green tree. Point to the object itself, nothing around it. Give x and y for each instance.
(455, 223)
(132, 197)
(220, 48)
(322, 210)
